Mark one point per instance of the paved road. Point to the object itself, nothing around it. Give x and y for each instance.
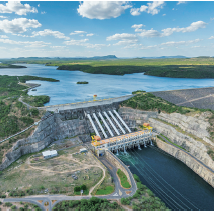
(28, 106)
(54, 199)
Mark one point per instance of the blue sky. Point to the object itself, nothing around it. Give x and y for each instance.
(124, 29)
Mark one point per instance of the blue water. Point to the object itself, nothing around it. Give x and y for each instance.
(104, 86)
(170, 179)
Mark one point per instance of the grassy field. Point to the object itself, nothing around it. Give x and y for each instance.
(107, 187)
(201, 67)
(123, 179)
(34, 175)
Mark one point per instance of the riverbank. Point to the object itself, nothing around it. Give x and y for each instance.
(196, 68)
(3, 66)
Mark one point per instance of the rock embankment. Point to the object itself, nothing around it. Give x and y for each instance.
(193, 164)
(189, 132)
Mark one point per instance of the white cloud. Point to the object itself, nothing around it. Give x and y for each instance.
(77, 32)
(163, 14)
(17, 7)
(18, 25)
(3, 16)
(48, 32)
(38, 5)
(176, 43)
(169, 31)
(152, 8)
(43, 12)
(83, 43)
(90, 34)
(124, 36)
(135, 11)
(37, 44)
(149, 33)
(30, 43)
(181, 2)
(3, 36)
(102, 9)
(137, 27)
(75, 42)
(126, 42)
(212, 37)
(58, 47)
(193, 27)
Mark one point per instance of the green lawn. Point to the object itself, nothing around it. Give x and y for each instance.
(107, 190)
(123, 179)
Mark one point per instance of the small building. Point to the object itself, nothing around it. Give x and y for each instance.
(49, 154)
(83, 150)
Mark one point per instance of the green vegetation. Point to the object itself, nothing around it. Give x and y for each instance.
(201, 67)
(105, 191)
(10, 66)
(123, 179)
(148, 101)
(36, 101)
(144, 199)
(93, 204)
(14, 116)
(172, 142)
(82, 82)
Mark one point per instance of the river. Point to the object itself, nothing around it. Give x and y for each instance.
(170, 179)
(104, 86)
(177, 185)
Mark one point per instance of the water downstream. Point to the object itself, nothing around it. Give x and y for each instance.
(171, 180)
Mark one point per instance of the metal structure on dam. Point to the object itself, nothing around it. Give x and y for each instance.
(120, 136)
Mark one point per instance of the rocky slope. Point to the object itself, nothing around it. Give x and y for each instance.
(51, 128)
(196, 126)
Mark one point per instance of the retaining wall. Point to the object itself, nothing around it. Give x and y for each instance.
(118, 164)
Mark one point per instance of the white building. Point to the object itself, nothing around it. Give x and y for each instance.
(83, 150)
(49, 154)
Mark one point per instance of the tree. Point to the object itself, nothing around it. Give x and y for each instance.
(83, 187)
(21, 209)
(76, 188)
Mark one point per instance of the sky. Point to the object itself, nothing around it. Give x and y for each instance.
(99, 28)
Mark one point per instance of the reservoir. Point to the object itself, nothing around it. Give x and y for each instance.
(104, 86)
(171, 180)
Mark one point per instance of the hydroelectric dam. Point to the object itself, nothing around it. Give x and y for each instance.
(117, 129)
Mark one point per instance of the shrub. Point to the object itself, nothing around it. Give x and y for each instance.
(21, 209)
(8, 204)
(3, 196)
(76, 188)
(13, 207)
(34, 112)
(42, 187)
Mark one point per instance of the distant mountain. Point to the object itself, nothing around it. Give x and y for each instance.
(177, 56)
(108, 57)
